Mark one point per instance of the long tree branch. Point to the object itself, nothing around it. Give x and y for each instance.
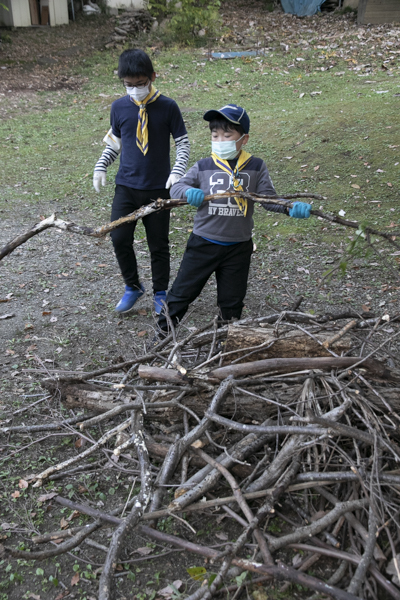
(127, 525)
(160, 204)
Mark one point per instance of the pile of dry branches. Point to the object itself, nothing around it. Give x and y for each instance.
(297, 414)
(130, 24)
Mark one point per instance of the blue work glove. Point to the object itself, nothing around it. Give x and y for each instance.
(194, 196)
(300, 210)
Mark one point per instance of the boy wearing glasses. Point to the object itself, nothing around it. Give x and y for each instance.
(141, 125)
(221, 240)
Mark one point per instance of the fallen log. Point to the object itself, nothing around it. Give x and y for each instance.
(275, 365)
(242, 341)
(287, 365)
(83, 396)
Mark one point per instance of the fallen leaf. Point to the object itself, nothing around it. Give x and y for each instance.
(102, 265)
(22, 484)
(296, 560)
(63, 523)
(142, 333)
(316, 168)
(62, 595)
(80, 442)
(16, 494)
(389, 184)
(28, 326)
(73, 515)
(355, 186)
(144, 551)
(366, 308)
(45, 497)
(197, 444)
(75, 579)
(6, 526)
(34, 596)
(46, 313)
(169, 591)
(221, 536)
(142, 311)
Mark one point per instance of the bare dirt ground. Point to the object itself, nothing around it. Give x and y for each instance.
(57, 297)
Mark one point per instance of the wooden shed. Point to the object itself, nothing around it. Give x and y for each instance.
(378, 11)
(25, 13)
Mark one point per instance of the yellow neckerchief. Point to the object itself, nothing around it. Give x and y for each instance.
(242, 161)
(142, 134)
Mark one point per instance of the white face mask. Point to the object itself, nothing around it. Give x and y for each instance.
(226, 150)
(138, 94)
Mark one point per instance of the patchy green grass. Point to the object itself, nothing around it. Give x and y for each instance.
(340, 134)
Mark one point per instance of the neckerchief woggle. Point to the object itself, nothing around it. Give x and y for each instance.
(242, 161)
(142, 133)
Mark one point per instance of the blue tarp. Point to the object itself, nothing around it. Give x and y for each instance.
(301, 8)
(236, 54)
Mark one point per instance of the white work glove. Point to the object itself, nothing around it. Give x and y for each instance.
(171, 180)
(99, 177)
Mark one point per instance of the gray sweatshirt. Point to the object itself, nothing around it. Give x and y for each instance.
(222, 220)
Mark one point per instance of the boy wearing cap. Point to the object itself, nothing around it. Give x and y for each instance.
(221, 240)
(142, 123)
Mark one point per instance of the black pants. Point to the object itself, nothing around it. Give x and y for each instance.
(127, 200)
(231, 267)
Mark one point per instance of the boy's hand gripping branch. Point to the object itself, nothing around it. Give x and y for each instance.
(300, 210)
(194, 197)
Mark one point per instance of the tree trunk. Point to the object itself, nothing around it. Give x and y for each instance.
(290, 344)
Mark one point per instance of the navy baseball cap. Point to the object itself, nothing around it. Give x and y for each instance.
(231, 112)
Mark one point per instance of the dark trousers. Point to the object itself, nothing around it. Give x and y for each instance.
(231, 267)
(127, 200)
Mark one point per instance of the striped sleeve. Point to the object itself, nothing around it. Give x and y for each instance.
(182, 146)
(106, 159)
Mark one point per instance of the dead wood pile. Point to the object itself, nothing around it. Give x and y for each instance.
(129, 25)
(291, 417)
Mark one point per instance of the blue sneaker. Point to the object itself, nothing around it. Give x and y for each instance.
(159, 299)
(129, 299)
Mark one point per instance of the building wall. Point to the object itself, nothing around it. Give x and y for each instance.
(350, 3)
(17, 15)
(136, 4)
(58, 11)
(378, 11)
